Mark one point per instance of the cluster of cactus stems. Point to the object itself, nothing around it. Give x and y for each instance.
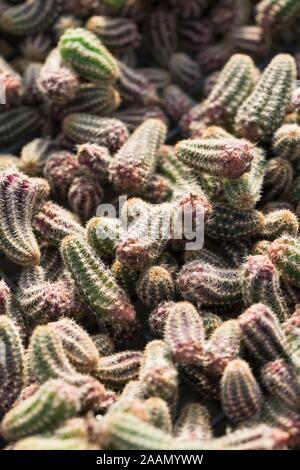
(121, 120)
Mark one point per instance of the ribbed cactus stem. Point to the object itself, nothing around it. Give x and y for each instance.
(56, 81)
(31, 17)
(12, 362)
(285, 254)
(103, 234)
(282, 382)
(226, 158)
(87, 55)
(261, 333)
(263, 111)
(240, 394)
(158, 376)
(184, 333)
(134, 164)
(95, 282)
(53, 223)
(52, 403)
(78, 345)
(19, 198)
(223, 346)
(193, 424)
(209, 285)
(118, 369)
(234, 85)
(83, 127)
(260, 280)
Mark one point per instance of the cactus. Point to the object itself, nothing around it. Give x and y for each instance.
(200, 379)
(277, 414)
(240, 394)
(262, 113)
(135, 116)
(275, 14)
(87, 55)
(146, 237)
(292, 338)
(19, 198)
(42, 442)
(278, 178)
(158, 376)
(53, 223)
(250, 39)
(261, 283)
(209, 285)
(60, 170)
(17, 123)
(284, 253)
(176, 102)
(211, 321)
(104, 344)
(117, 370)
(158, 317)
(47, 358)
(223, 347)
(262, 334)
(82, 128)
(117, 34)
(234, 85)
(195, 34)
(135, 162)
(30, 17)
(127, 432)
(193, 424)
(286, 142)
(279, 223)
(57, 82)
(95, 282)
(51, 404)
(33, 156)
(155, 285)
(184, 334)
(185, 71)
(163, 35)
(93, 160)
(12, 361)
(259, 437)
(11, 83)
(84, 196)
(226, 158)
(101, 99)
(78, 345)
(282, 383)
(134, 87)
(103, 234)
(243, 193)
(36, 47)
(44, 301)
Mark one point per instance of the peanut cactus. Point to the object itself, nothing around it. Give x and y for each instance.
(19, 198)
(240, 394)
(184, 334)
(158, 376)
(118, 369)
(52, 403)
(135, 162)
(31, 17)
(261, 333)
(87, 55)
(261, 283)
(12, 362)
(95, 281)
(262, 113)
